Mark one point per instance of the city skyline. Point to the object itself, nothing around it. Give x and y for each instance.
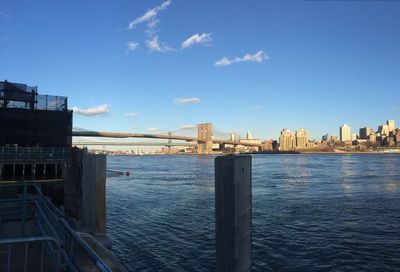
(158, 66)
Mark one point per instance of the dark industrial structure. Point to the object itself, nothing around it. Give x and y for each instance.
(28, 119)
(48, 190)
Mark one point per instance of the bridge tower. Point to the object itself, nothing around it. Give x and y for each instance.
(204, 135)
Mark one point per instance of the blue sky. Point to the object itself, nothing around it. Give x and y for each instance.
(311, 64)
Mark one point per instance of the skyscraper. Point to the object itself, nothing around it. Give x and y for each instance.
(365, 132)
(301, 138)
(287, 140)
(391, 125)
(383, 130)
(345, 133)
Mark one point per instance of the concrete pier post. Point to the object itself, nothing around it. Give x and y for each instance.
(233, 213)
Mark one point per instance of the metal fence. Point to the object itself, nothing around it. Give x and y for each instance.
(41, 102)
(56, 246)
(34, 154)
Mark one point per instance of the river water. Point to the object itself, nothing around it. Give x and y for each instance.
(310, 212)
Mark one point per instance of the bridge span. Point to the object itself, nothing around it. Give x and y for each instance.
(204, 139)
(108, 143)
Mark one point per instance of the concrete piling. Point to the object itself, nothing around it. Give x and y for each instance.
(233, 213)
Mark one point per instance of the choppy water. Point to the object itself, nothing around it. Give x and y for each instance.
(310, 213)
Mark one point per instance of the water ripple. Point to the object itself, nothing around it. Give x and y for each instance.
(310, 213)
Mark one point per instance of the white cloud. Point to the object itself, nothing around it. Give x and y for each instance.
(131, 114)
(193, 100)
(131, 46)
(223, 62)
(259, 57)
(99, 110)
(152, 129)
(187, 126)
(149, 15)
(258, 107)
(155, 46)
(196, 38)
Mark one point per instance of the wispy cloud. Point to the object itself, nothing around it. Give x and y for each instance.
(131, 114)
(152, 129)
(99, 110)
(193, 100)
(150, 18)
(151, 14)
(259, 57)
(258, 107)
(197, 38)
(187, 126)
(396, 108)
(154, 46)
(131, 46)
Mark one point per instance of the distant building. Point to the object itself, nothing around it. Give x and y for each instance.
(287, 140)
(325, 137)
(301, 138)
(372, 137)
(249, 136)
(391, 125)
(345, 133)
(396, 135)
(267, 145)
(383, 131)
(354, 137)
(365, 132)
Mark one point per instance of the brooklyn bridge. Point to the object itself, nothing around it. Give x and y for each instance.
(204, 141)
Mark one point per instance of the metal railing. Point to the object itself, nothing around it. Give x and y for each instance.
(60, 243)
(37, 102)
(34, 154)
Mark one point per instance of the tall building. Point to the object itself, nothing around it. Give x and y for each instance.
(301, 138)
(287, 140)
(249, 136)
(365, 132)
(345, 133)
(384, 130)
(391, 125)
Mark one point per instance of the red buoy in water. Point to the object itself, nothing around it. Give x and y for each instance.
(127, 173)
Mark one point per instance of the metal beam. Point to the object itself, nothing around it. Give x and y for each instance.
(86, 143)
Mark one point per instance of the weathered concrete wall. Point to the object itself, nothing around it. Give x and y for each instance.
(233, 211)
(84, 190)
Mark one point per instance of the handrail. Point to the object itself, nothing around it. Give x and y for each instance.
(59, 227)
(100, 264)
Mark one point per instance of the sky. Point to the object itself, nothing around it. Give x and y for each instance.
(256, 65)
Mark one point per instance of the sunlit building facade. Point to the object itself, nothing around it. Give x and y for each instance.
(345, 133)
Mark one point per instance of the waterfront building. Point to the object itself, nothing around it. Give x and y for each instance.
(372, 137)
(287, 140)
(325, 137)
(365, 132)
(391, 125)
(353, 136)
(28, 119)
(345, 133)
(301, 138)
(384, 131)
(396, 135)
(267, 145)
